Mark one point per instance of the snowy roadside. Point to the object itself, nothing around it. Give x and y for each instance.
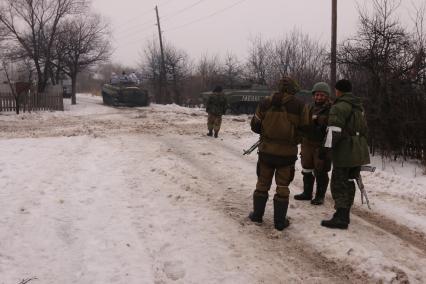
(117, 195)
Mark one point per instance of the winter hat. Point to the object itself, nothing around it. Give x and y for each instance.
(288, 85)
(344, 86)
(321, 87)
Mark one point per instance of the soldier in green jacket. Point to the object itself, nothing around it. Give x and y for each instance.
(216, 107)
(347, 139)
(314, 168)
(278, 120)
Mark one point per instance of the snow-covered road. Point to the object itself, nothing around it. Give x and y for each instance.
(118, 195)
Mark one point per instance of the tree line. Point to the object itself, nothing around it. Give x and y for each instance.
(387, 63)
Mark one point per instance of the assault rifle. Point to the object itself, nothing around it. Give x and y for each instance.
(361, 184)
(252, 148)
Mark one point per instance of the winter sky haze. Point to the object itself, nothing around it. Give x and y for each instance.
(221, 26)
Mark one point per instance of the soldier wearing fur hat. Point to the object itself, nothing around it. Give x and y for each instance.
(314, 168)
(347, 140)
(278, 119)
(216, 107)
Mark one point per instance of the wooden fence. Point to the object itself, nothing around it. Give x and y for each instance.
(32, 101)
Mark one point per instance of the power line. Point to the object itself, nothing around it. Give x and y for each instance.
(145, 38)
(181, 26)
(145, 12)
(166, 18)
(149, 24)
(130, 33)
(206, 17)
(123, 28)
(170, 16)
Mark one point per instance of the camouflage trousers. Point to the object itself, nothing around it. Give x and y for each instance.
(214, 122)
(342, 188)
(283, 177)
(310, 161)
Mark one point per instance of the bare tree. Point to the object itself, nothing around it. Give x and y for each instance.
(82, 42)
(151, 69)
(15, 78)
(178, 68)
(33, 25)
(299, 56)
(384, 60)
(259, 60)
(232, 71)
(208, 70)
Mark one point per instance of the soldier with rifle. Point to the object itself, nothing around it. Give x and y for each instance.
(278, 120)
(347, 142)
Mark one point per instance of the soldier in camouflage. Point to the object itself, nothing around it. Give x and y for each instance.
(216, 107)
(347, 139)
(313, 167)
(278, 119)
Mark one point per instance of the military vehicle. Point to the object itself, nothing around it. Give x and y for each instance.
(241, 100)
(245, 101)
(124, 94)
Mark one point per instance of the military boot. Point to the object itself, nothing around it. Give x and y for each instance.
(340, 219)
(346, 216)
(280, 214)
(308, 187)
(322, 184)
(210, 132)
(216, 133)
(259, 203)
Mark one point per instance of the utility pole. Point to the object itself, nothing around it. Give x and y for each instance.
(333, 45)
(163, 65)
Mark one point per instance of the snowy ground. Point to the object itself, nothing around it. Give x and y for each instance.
(139, 195)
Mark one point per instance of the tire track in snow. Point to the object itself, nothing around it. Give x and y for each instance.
(414, 238)
(408, 235)
(231, 203)
(235, 207)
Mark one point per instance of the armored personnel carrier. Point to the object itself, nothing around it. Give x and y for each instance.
(124, 94)
(245, 101)
(242, 100)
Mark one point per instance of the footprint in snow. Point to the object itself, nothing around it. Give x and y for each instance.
(174, 270)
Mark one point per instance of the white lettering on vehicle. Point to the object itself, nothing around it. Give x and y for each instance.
(250, 99)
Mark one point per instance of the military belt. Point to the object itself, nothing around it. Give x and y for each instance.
(277, 141)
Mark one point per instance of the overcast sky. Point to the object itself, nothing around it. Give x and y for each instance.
(221, 26)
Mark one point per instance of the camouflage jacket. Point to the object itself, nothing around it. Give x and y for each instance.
(279, 119)
(216, 104)
(347, 117)
(315, 133)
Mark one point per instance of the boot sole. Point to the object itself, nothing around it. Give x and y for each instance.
(286, 225)
(302, 199)
(255, 220)
(342, 227)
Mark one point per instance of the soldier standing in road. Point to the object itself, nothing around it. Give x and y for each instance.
(216, 107)
(347, 139)
(313, 167)
(278, 119)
